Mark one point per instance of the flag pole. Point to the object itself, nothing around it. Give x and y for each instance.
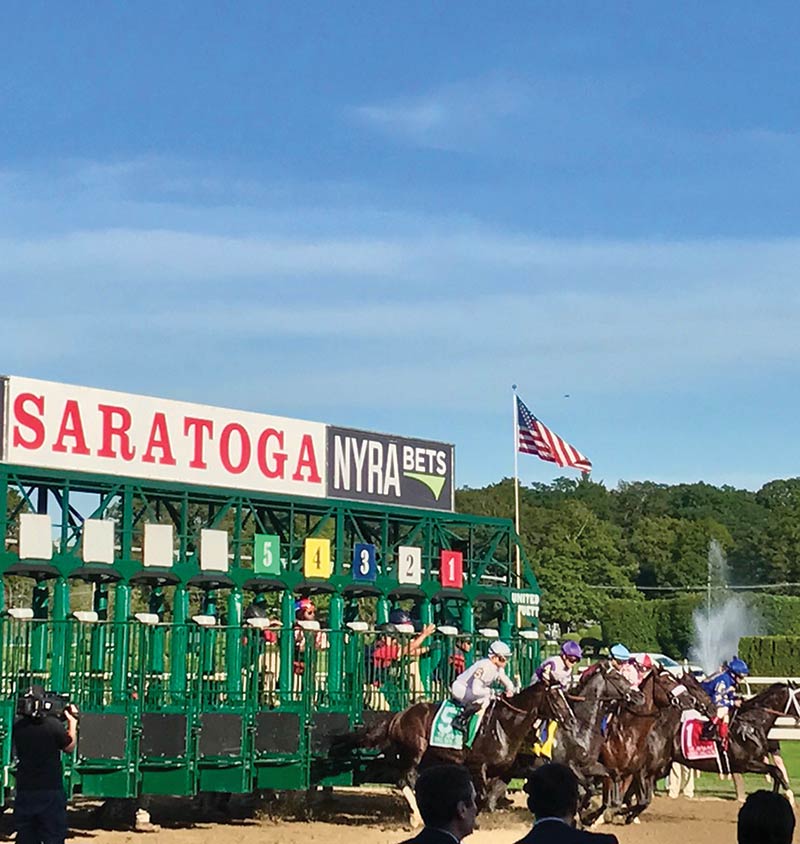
(517, 568)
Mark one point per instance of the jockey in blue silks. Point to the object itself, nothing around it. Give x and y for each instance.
(722, 688)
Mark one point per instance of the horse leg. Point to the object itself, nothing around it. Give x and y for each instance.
(645, 798)
(495, 792)
(595, 817)
(738, 783)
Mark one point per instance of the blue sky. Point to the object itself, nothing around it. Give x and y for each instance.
(383, 215)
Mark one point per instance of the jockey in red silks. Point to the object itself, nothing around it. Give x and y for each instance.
(722, 689)
(558, 669)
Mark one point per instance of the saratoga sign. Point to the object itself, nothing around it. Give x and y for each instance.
(58, 426)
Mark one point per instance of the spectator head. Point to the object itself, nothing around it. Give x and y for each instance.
(553, 792)
(765, 818)
(446, 799)
(304, 609)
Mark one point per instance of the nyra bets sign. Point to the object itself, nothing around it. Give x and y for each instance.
(389, 470)
(57, 426)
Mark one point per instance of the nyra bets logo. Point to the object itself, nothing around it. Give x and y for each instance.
(391, 470)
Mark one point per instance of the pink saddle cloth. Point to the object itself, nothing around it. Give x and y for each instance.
(692, 745)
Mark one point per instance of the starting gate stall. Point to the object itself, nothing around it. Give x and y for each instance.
(138, 551)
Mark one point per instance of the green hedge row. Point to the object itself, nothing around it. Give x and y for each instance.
(771, 656)
(665, 624)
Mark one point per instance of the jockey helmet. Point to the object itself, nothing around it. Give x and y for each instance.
(303, 604)
(739, 667)
(499, 649)
(399, 617)
(646, 661)
(571, 648)
(619, 652)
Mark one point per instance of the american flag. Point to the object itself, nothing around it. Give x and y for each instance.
(536, 438)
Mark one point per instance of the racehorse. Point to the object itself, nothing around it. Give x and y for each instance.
(502, 729)
(662, 742)
(747, 741)
(578, 744)
(624, 751)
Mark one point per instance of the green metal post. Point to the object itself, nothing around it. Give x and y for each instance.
(428, 661)
(382, 610)
(121, 642)
(60, 656)
(336, 647)
(507, 623)
(233, 647)
(39, 649)
(157, 605)
(99, 640)
(287, 643)
(177, 661)
(468, 626)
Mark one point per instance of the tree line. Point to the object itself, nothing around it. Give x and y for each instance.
(588, 544)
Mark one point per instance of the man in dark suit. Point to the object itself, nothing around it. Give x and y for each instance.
(553, 801)
(446, 800)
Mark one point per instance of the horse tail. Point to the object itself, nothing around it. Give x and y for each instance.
(367, 738)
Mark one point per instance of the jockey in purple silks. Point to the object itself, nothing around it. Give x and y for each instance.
(558, 669)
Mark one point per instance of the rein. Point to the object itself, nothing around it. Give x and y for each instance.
(512, 707)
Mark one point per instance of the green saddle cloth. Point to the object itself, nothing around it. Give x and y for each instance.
(442, 732)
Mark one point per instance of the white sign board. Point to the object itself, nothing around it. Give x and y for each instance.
(57, 426)
(409, 564)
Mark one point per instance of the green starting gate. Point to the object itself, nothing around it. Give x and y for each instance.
(167, 613)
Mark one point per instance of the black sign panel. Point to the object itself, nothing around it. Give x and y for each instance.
(364, 466)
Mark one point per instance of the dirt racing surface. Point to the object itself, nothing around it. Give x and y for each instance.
(377, 817)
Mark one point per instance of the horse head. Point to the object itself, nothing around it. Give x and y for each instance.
(697, 696)
(558, 706)
(609, 685)
(675, 690)
(779, 699)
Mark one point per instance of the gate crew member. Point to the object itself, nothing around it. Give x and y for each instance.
(473, 687)
(722, 689)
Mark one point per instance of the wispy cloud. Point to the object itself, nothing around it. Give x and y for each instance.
(457, 116)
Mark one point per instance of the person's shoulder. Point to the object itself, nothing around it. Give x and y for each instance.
(430, 836)
(559, 833)
(584, 837)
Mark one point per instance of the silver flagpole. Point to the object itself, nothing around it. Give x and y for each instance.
(518, 567)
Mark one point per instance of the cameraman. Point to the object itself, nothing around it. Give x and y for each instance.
(39, 737)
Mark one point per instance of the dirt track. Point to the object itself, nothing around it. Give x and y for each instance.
(378, 818)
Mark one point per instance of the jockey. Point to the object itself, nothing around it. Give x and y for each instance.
(620, 659)
(473, 687)
(722, 688)
(558, 669)
(642, 666)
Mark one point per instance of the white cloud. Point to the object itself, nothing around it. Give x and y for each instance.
(458, 116)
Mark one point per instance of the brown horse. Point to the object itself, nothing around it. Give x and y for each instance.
(578, 744)
(747, 739)
(624, 750)
(405, 737)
